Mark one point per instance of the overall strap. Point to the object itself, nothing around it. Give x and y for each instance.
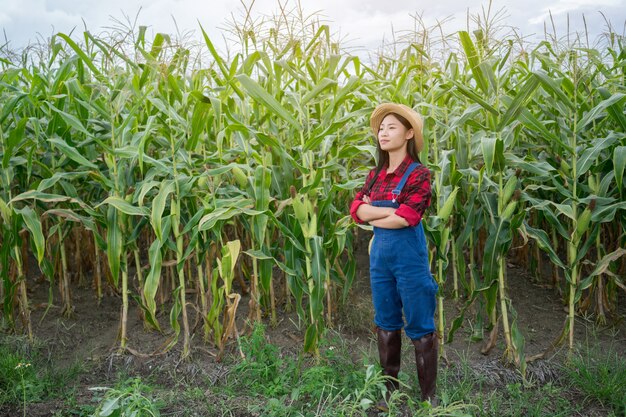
(396, 192)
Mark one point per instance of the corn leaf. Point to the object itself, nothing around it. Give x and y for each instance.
(597, 112)
(553, 87)
(151, 284)
(544, 242)
(524, 95)
(591, 154)
(86, 59)
(34, 227)
(261, 95)
(16, 135)
(125, 207)
(602, 267)
(114, 243)
(158, 207)
(619, 162)
(70, 120)
(471, 53)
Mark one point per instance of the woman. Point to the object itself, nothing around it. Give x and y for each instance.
(393, 200)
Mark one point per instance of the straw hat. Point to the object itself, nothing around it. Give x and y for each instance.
(408, 113)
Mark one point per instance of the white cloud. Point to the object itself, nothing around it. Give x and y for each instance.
(364, 23)
(570, 6)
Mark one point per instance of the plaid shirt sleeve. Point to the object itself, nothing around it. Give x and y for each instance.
(415, 196)
(358, 199)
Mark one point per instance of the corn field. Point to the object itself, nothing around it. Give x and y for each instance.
(186, 182)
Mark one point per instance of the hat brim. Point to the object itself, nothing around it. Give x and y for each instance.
(408, 113)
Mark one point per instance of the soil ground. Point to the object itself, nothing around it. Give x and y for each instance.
(90, 338)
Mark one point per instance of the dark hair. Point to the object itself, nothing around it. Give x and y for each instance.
(383, 156)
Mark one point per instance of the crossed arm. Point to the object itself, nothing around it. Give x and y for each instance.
(384, 217)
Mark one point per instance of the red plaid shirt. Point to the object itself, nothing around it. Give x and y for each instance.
(414, 198)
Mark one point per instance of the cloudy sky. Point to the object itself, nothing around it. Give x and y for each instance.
(362, 24)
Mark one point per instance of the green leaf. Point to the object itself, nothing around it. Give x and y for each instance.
(524, 95)
(619, 161)
(616, 111)
(114, 243)
(317, 90)
(473, 59)
(489, 150)
(109, 406)
(589, 155)
(15, 137)
(34, 226)
(261, 95)
(9, 105)
(565, 209)
(602, 267)
(153, 278)
(230, 253)
(544, 242)
(208, 221)
(216, 56)
(318, 275)
(70, 119)
(82, 55)
(475, 97)
(495, 248)
(536, 167)
(458, 321)
(553, 87)
(493, 154)
(544, 207)
(258, 254)
(607, 213)
(47, 198)
(287, 231)
(5, 211)
(158, 207)
(311, 338)
(125, 207)
(192, 223)
(157, 44)
(598, 110)
(262, 184)
(57, 176)
(71, 215)
(545, 134)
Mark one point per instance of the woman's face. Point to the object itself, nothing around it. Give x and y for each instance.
(392, 135)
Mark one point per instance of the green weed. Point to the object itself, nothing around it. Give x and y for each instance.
(26, 377)
(131, 398)
(600, 372)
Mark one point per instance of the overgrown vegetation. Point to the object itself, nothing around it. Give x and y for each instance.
(26, 376)
(272, 381)
(275, 384)
(599, 371)
(130, 398)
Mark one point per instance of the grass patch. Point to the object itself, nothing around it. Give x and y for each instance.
(332, 384)
(600, 373)
(462, 384)
(26, 376)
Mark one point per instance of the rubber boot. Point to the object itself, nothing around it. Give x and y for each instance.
(389, 351)
(426, 353)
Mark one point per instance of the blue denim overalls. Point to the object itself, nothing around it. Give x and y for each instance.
(400, 275)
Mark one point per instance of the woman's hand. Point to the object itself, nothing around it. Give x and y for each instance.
(392, 221)
(367, 212)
